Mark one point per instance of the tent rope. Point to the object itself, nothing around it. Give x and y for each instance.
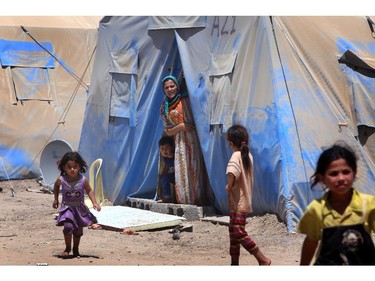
(12, 190)
(72, 97)
(53, 56)
(61, 120)
(371, 25)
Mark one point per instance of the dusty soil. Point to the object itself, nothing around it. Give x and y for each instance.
(28, 236)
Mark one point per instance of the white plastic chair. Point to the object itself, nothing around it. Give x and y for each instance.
(96, 182)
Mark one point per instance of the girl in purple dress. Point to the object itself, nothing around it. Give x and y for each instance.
(73, 213)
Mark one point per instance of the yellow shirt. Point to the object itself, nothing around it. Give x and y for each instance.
(319, 214)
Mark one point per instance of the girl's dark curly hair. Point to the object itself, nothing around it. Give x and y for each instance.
(72, 156)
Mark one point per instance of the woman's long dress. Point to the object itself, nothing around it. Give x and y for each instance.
(190, 173)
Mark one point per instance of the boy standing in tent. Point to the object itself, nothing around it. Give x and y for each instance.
(166, 181)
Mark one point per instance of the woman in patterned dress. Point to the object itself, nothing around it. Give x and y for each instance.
(191, 177)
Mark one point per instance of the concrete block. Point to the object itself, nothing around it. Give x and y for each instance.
(189, 212)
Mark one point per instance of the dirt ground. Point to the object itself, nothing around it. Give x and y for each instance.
(28, 236)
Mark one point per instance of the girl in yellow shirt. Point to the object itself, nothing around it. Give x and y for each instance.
(340, 222)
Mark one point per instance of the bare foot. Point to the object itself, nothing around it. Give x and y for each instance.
(129, 231)
(95, 226)
(66, 252)
(261, 258)
(266, 263)
(75, 252)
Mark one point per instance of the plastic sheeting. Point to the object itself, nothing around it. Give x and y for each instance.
(278, 76)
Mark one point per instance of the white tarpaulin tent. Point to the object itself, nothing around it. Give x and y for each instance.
(297, 83)
(46, 65)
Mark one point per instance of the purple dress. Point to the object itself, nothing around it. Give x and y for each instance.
(73, 207)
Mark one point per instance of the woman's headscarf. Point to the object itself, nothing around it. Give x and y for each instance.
(170, 77)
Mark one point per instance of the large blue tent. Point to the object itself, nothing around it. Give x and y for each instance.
(296, 83)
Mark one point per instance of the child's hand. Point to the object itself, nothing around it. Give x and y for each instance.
(55, 204)
(97, 207)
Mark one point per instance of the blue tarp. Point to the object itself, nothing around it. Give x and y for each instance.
(26, 54)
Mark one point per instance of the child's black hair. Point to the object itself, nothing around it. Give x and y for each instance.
(72, 156)
(166, 140)
(340, 150)
(238, 135)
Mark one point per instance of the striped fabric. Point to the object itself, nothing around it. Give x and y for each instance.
(238, 235)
